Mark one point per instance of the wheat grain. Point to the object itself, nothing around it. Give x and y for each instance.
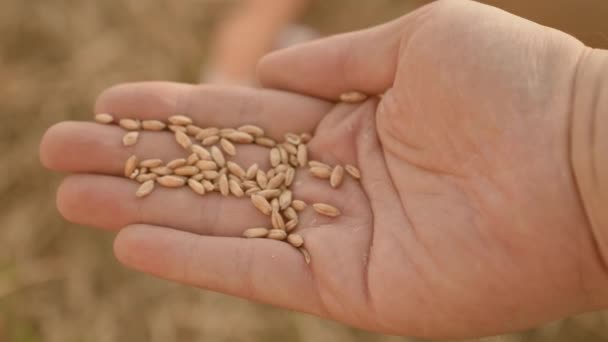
(252, 130)
(218, 156)
(302, 155)
(196, 186)
(291, 225)
(315, 163)
(224, 132)
(298, 205)
(235, 169)
(161, 171)
(284, 154)
(206, 133)
(252, 191)
(180, 120)
(206, 165)
(201, 152)
(265, 141)
(193, 130)
(290, 213)
(326, 209)
(211, 175)
(209, 187)
(262, 179)
(295, 240)
(130, 166)
(337, 175)
(153, 125)
(198, 177)
(252, 171)
(146, 177)
(240, 137)
(186, 170)
(129, 124)
(277, 234)
(192, 159)
(104, 118)
(285, 199)
(293, 138)
(277, 220)
(151, 163)
(175, 163)
(212, 140)
(291, 149)
(306, 255)
(353, 171)
(321, 172)
(261, 204)
(270, 193)
(145, 189)
(248, 184)
(183, 140)
(275, 157)
(235, 188)
(274, 203)
(290, 175)
(305, 138)
(176, 128)
(353, 97)
(253, 233)
(276, 181)
(223, 185)
(171, 181)
(228, 147)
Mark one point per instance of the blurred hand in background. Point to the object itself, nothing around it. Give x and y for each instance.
(253, 29)
(467, 221)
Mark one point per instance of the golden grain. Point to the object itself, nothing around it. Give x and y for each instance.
(253, 233)
(206, 165)
(252, 171)
(261, 204)
(306, 255)
(235, 188)
(151, 163)
(196, 186)
(284, 154)
(277, 234)
(274, 204)
(262, 179)
(252, 130)
(353, 97)
(228, 147)
(153, 125)
(206, 133)
(209, 187)
(175, 163)
(186, 170)
(218, 156)
(248, 184)
(302, 155)
(265, 141)
(285, 199)
(202, 152)
(252, 191)
(326, 209)
(305, 137)
(293, 138)
(161, 171)
(212, 140)
(104, 118)
(130, 166)
(290, 175)
(130, 124)
(291, 149)
(321, 172)
(171, 181)
(223, 185)
(337, 175)
(176, 128)
(145, 189)
(235, 169)
(211, 175)
(134, 174)
(180, 120)
(299, 205)
(353, 171)
(146, 177)
(295, 240)
(291, 225)
(315, 163)
(275, 157)
(290, 213)
(276, 181)
(198, 177)
(192, 159)
(270, 193)
(240, 137)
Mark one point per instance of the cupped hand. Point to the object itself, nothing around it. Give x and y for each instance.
(466, 222)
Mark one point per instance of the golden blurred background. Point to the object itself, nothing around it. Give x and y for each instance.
(60, 282)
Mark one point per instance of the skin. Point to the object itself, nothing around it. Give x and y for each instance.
(467, 221)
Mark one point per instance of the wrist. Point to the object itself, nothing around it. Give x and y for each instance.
(589, 151)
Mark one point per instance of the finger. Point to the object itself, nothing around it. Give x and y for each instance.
(365, 61)
(263, 270)
(110, 203)
(276, 111)
(88, 147)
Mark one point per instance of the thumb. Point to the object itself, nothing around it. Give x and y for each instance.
(364, 60)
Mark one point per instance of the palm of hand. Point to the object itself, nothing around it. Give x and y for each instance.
(442, 237)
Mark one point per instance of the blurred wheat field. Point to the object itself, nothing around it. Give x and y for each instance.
(60, 282)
